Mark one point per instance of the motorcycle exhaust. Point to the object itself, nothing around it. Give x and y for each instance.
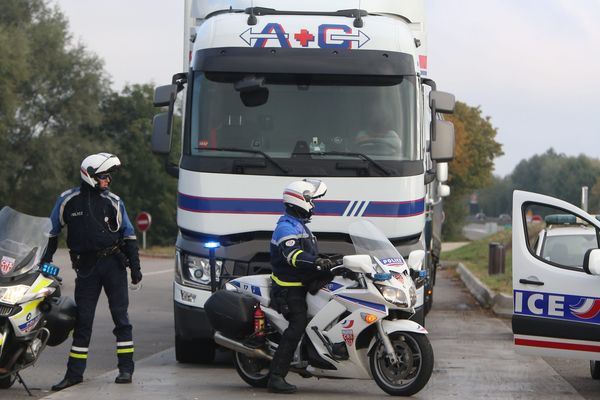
(240, 347)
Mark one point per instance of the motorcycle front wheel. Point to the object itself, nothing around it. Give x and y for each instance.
(7, 382)
(254, 371)
(414, 367)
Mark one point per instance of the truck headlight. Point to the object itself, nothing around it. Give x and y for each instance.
(393, 295)
(198, 269)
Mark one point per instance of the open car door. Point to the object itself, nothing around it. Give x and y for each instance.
(556, 296)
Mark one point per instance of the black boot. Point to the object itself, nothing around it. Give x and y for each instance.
(277, 384)
(123, 377)
(65, 383)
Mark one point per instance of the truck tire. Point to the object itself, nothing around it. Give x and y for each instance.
(199, 351)
(595, 369)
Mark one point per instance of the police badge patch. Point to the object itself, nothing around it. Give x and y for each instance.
(290, 243)
(6, 264)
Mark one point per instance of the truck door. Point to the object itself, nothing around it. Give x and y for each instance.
(556, 303)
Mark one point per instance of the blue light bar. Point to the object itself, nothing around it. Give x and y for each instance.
(212, 245)
(560, 219)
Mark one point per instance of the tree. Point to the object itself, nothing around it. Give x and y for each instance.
(472, 166)
(556, 175)
(142, 181)
(50, 93)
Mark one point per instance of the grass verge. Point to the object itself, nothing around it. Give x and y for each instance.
(158, 251)
(475, 255)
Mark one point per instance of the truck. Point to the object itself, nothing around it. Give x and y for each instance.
(275, 91)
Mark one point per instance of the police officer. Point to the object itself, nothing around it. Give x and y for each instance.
(101, 243)
(294, 254)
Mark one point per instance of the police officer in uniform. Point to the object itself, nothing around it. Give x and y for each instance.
(294, 255)
(102, 244)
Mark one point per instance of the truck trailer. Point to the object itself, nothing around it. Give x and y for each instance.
(275, 91)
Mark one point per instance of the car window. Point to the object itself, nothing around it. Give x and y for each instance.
(568, 250)
(558, 237)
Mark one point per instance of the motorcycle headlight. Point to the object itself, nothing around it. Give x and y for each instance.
(393, 295)
(198, 269)
(12, 294)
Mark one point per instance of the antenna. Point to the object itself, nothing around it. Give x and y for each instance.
(358, 22)
(252, 18)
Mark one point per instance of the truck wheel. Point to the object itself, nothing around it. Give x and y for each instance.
(7, 381)
(595, 369)
(199, 351)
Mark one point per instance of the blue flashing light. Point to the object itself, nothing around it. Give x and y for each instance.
(49, 269)
(212, 245)
(382, 277)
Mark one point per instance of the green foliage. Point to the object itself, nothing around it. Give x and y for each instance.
(551, 173)
(50, 93)
(476, 149)
(56, 107)
(475, 257)
(142, 180)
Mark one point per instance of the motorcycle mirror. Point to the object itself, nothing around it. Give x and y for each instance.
(415, 259)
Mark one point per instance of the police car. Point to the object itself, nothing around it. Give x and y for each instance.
(556, 280)
(565, 240)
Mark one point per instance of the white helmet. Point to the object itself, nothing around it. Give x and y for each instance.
(301, 193)
(96, 164)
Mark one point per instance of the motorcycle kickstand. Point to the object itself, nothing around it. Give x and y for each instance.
(22, 382)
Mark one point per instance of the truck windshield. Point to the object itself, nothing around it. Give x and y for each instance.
(325, 116)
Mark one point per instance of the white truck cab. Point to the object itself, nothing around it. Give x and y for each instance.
(557, 296)
(280, 90)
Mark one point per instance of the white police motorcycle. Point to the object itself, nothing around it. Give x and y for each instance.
(32, 312)
(358, 328)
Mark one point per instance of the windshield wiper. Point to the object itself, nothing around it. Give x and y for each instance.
(265, 155)
(374, 163)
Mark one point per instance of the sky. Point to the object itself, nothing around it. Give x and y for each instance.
(532, 66)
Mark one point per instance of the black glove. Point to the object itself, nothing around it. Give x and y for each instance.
(324, 264)
(136, 275)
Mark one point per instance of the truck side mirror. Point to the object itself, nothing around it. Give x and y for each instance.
(164, 95)
(161, 133)
(442, 145)
(442, 102)
(591, 262)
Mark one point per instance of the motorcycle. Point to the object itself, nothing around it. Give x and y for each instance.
(33, 314)
(358, 327)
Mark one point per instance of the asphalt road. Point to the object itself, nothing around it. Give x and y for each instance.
(151, 313)
(474, 357)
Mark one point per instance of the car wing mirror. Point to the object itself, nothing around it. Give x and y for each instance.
(591, 262)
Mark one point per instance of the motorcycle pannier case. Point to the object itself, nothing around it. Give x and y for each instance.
(60, 319)
(231, 313)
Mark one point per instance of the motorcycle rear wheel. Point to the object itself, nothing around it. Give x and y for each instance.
(413, 371)
(254, 371)
(7, 381)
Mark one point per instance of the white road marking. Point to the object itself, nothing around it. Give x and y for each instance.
(164, 271)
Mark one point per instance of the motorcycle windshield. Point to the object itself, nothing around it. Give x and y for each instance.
(368, 239)
(23, 239)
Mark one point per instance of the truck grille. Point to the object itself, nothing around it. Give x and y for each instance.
(5, 311)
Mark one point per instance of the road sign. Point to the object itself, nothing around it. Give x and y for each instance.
(143, 221)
